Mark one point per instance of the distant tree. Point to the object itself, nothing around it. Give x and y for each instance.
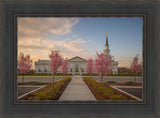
(64, 67)
(103, 65)
(124, 70)
(56, 62)
(24, 64)
(90, 66)
(32, 71)
(136, 67)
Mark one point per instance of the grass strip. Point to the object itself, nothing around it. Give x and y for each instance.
(32, 83)
(110, 82)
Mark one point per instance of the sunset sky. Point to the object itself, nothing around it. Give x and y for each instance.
(80, 37)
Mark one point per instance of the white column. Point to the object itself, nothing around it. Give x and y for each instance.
(72, 70)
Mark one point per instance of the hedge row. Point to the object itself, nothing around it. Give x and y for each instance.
(32, 83)
(101, 92)
(45, 74)
(124, 74)
(83, 74)
(52, 92)
(119, 74)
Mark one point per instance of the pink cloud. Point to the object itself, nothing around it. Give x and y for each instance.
(33, 31)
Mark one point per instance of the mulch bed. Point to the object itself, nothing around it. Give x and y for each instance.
(56, 97)
(61, 91)
(99, 97)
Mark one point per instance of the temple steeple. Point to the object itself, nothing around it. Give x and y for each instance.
(106, 38)
(106, 50)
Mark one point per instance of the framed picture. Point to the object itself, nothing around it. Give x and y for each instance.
(80, 59)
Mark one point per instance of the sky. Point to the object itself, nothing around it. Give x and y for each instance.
(81, 36)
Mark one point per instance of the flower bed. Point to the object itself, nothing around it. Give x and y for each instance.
(51, 92)
(104, 92)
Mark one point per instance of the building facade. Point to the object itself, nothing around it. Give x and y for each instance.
(77, 65)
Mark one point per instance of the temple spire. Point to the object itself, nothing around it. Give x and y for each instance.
(106, 38)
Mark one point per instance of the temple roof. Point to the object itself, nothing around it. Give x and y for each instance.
(77, 58)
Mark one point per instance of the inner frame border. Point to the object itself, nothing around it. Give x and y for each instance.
(144, 53)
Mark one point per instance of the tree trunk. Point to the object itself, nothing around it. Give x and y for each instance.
(53, 80)
(135, 78)
(102, 79)
(22, 78)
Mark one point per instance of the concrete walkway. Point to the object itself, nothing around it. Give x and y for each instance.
(77, 90)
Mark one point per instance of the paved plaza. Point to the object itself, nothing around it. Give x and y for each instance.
(120, 79)
(77, 90)
(46, 79)
(24, 89)
(133, 91)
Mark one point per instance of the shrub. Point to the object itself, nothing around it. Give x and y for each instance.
(20, 83)
(44, 74)
(118, 97)
(101, 90)
(108, 93)
(94, 74)
(111, 82)
(50, 92)
(125, 74)
(86, 74)
(36, 83)
(105, 92)
(96, 85)
(41, 95)
(130, 83)
(32, 83)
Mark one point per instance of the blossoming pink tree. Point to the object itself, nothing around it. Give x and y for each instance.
(24, 64)
(103, 65)
(64, 67)
(90, 66)
(56, 62)
(136, 67)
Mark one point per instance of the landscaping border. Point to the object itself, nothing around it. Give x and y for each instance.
(31, 92)
(40, 90)
(99, 97)
(125, 93)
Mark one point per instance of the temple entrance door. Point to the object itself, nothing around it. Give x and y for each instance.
(76, 68)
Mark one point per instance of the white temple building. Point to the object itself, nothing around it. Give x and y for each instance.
(77, 65)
